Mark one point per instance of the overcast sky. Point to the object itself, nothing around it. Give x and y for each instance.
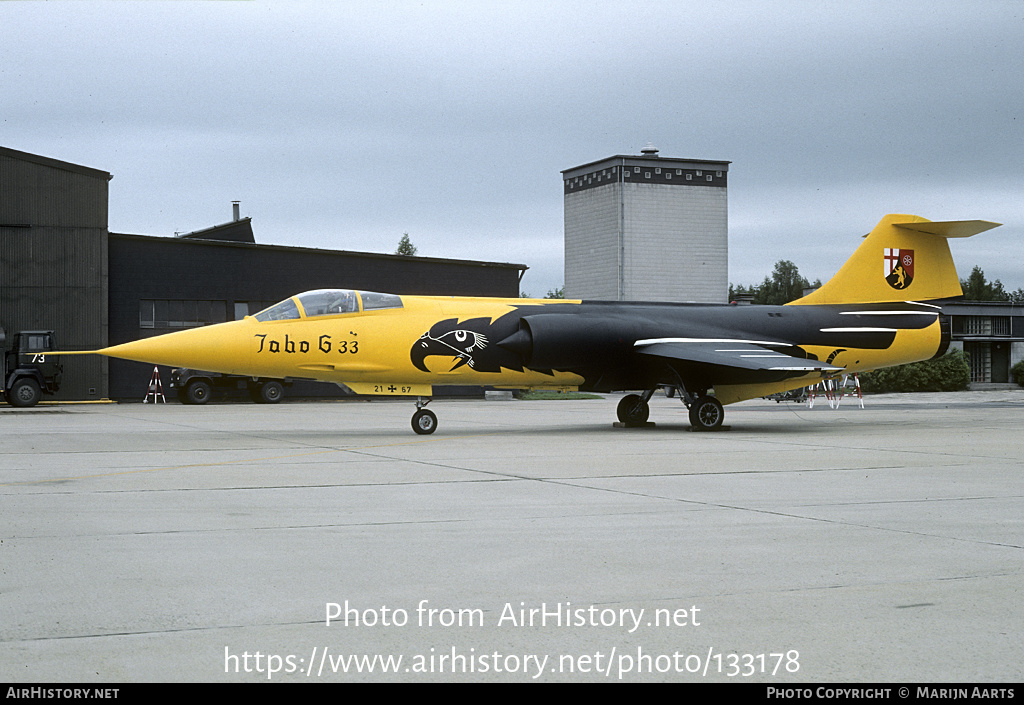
(343, 125)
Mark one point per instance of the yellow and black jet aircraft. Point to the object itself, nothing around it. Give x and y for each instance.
(871, 314)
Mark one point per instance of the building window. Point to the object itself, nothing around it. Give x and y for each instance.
(980, 356)
(179, 313)
(977, 325)
(146, 314)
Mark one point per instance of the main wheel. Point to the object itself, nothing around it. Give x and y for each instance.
(424, 422)
(706, 414)
(269, 393)
(198, 392)
(632, 409)
(25, 392)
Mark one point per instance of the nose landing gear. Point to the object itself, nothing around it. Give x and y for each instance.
(424, 421)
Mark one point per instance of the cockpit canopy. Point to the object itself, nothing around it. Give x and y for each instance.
(328, 302)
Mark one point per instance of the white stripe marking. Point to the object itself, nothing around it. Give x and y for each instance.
(859, 330)
(653, 341)
(887, 313)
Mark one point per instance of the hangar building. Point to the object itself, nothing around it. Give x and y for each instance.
(992, 335)
(64, 271)
(647, 228)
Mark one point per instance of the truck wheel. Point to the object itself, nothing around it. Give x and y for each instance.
(270, 393)
(197, 392)
(24, 392)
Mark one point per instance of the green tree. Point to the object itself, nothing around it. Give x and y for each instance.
(977, 288)
(558, 293)
(784, 285)
(405, 247)
(737, 291)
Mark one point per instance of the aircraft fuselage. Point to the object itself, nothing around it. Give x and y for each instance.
(595, 346)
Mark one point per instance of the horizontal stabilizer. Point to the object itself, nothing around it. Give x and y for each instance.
(950, 228)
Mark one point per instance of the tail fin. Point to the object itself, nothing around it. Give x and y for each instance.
(905, 258)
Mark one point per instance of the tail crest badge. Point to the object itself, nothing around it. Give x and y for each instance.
(898, 267)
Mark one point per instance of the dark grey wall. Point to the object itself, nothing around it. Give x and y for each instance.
(53, 260)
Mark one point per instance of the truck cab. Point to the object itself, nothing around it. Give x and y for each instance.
(28, 371)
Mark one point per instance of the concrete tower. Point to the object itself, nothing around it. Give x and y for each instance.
(647, 228)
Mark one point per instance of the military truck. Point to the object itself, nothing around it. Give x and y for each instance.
(26, 370)
(197, 386)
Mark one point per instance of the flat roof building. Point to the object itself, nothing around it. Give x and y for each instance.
(647, 228)
(992, 335)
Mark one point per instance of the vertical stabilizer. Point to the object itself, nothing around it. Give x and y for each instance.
(905, 258)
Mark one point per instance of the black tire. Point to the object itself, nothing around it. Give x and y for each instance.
(198, 392)
(632, 409)
(424, 422)
(269, 393)
(24, 393)
(706, 414)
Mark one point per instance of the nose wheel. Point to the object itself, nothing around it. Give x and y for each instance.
(424, 421)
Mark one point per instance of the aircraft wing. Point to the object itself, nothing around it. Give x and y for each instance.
(736, 354)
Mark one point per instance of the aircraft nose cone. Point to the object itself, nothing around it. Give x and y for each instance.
(225, 347)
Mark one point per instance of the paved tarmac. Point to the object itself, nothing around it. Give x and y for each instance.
(524, 541)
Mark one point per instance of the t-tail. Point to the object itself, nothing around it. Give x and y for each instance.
(905, 258)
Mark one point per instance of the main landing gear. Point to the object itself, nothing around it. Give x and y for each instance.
(424, 421)
(706, 412)
(633, 409)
